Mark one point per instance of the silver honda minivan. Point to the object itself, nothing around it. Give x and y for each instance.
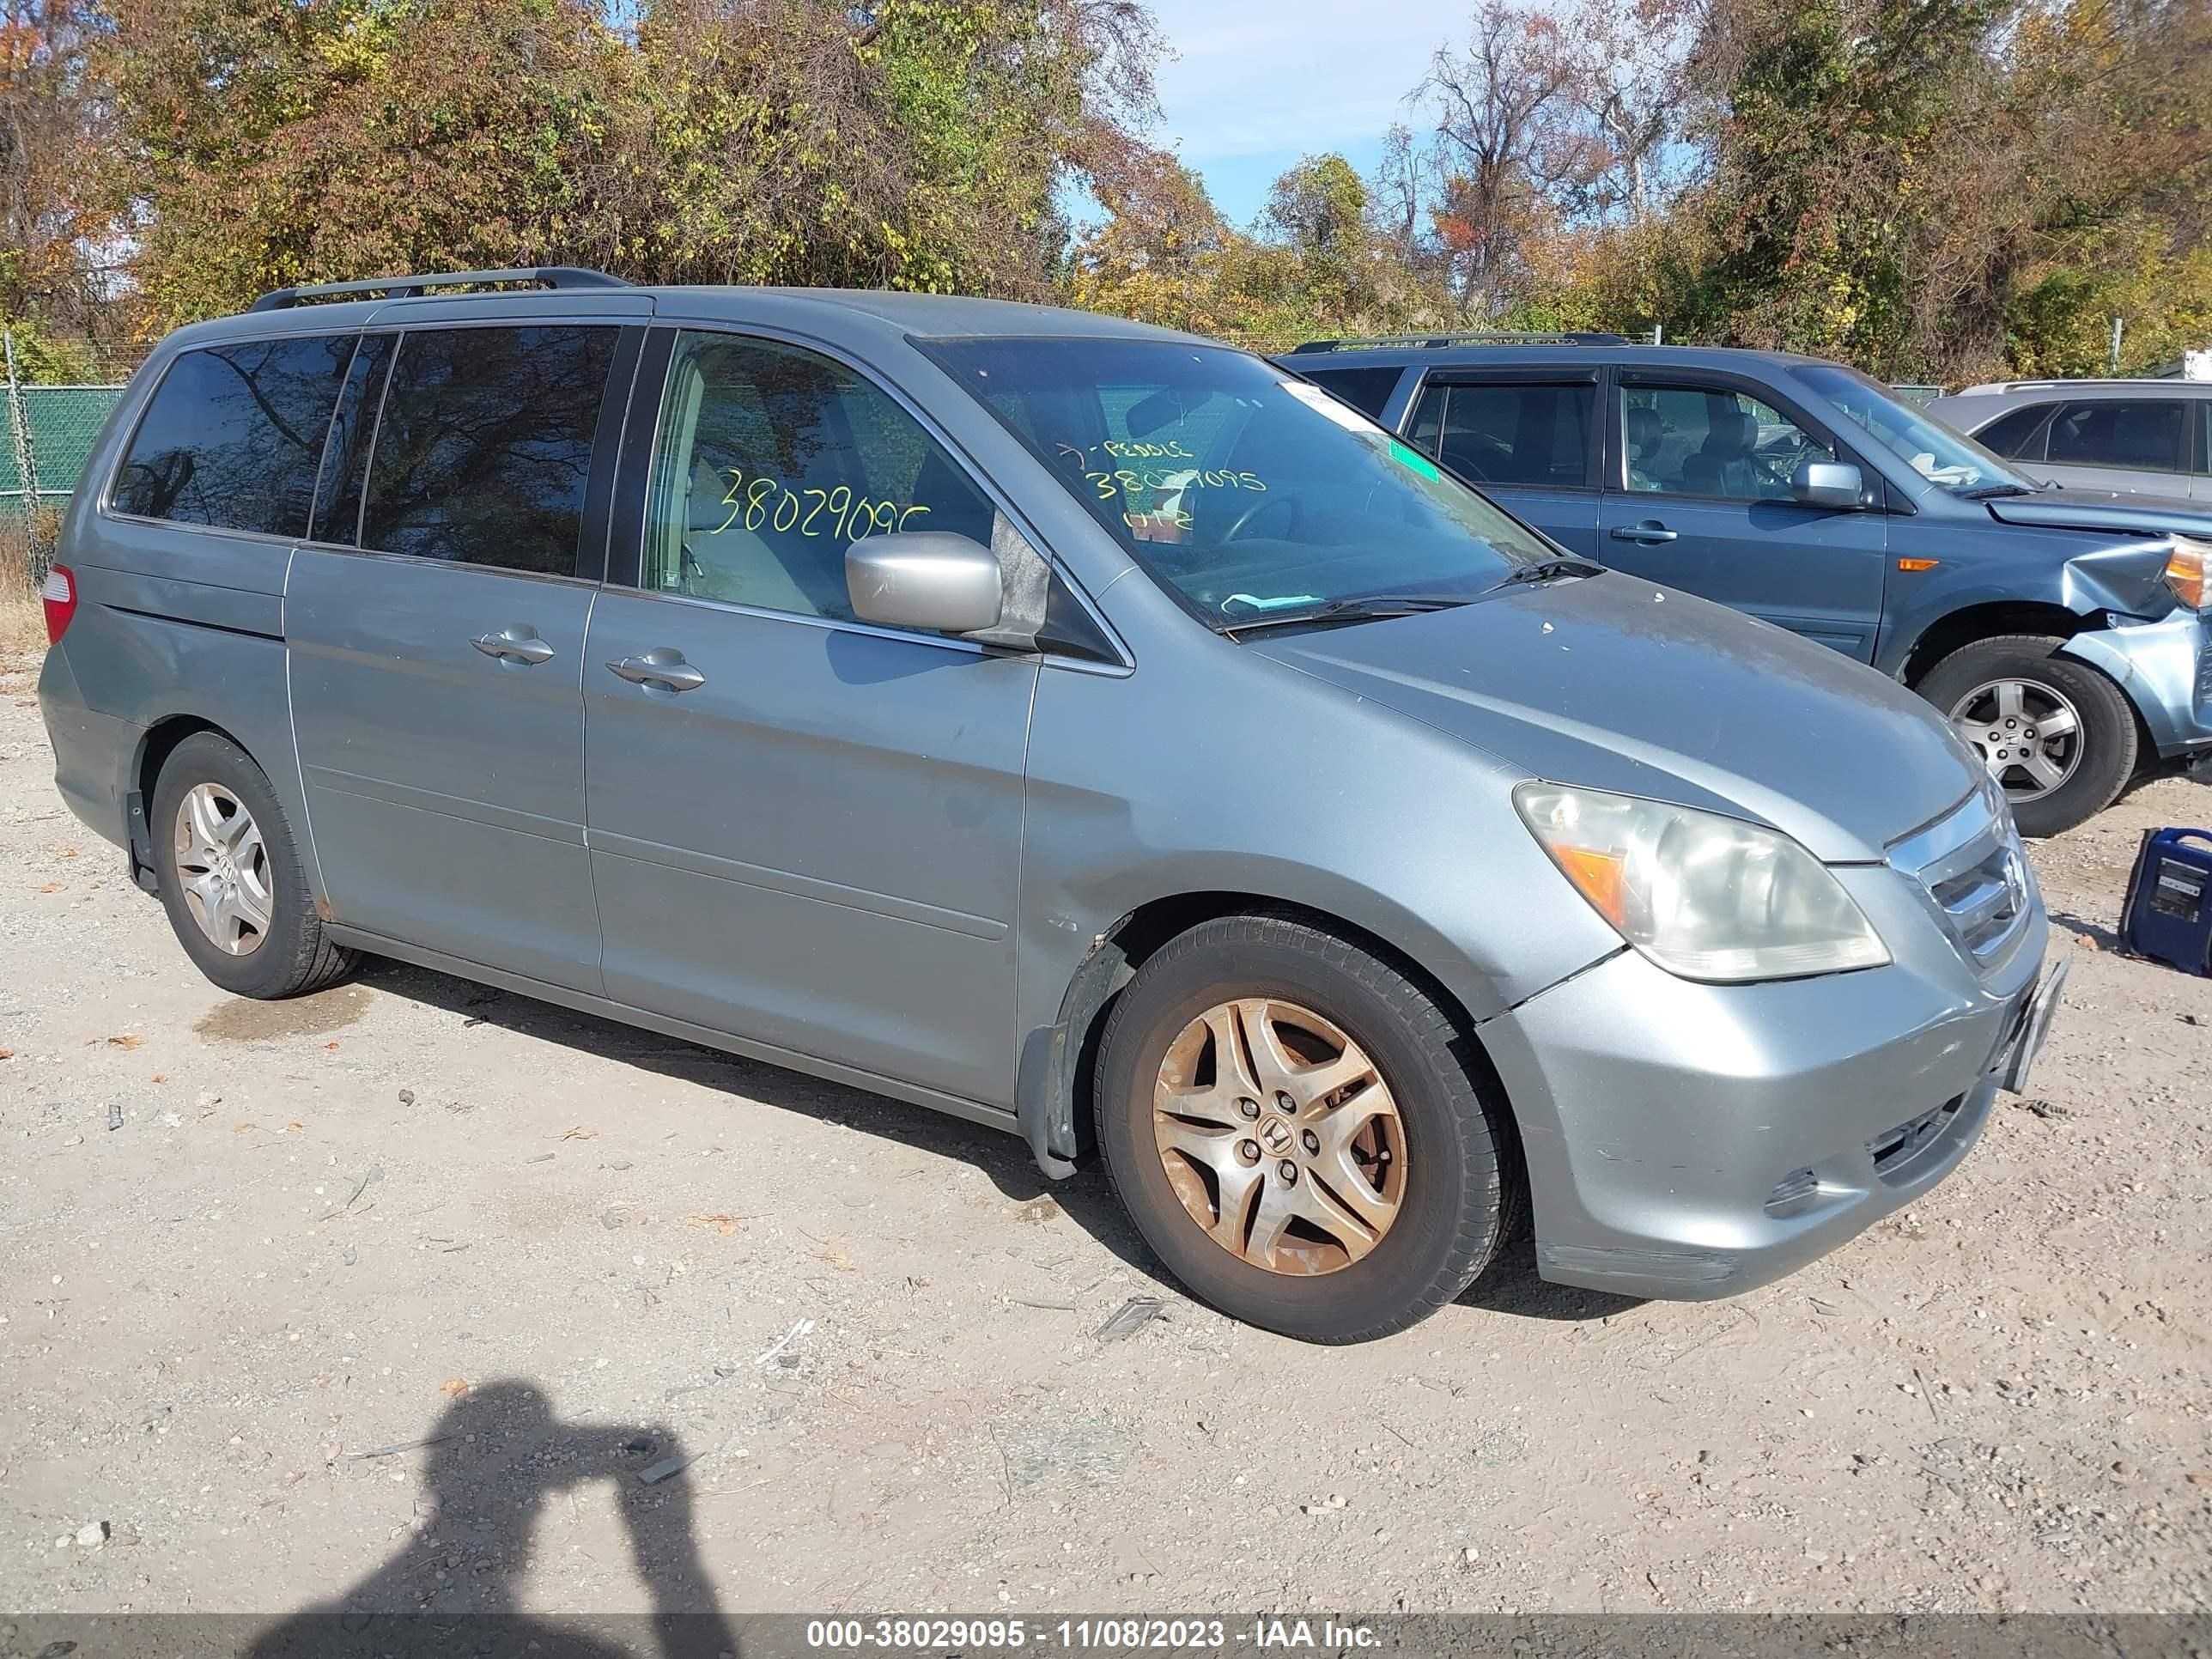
(1078, 727)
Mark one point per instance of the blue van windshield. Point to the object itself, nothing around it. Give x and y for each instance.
(1241, 488)
(1930, 448)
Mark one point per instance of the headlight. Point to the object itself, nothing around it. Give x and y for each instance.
(1705, 896)
(2184, 571)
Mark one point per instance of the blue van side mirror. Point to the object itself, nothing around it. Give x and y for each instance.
(1827, 483)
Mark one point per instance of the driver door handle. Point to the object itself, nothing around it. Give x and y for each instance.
(509, 645)
(666, 669)
(1650, 532)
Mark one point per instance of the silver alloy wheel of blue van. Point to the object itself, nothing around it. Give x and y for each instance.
(2028, 734)
(223, 869)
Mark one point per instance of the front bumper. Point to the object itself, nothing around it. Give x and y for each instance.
(2165, 669)
(1691, 1141)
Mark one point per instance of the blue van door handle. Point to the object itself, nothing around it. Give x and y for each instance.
(511, 646)
(1650, 532)
(660, 668)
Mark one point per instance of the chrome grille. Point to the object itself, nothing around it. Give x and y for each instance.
(1984, 903)
(1971, 866)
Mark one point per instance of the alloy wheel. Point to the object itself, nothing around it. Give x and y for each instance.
(223, 869)
(1279, 1136)
(2028, 734)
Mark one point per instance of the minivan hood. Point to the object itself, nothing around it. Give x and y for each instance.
(2098, 509)
(1614, 683)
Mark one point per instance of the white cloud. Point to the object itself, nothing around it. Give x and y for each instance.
(1256, 77)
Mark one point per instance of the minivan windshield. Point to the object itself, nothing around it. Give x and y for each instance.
(1247, 493)
(1932, 449)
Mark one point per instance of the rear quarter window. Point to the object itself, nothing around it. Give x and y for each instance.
(233, 437)
(1367, 390)
(2015, 434)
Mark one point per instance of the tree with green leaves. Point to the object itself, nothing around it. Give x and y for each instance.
(906, 143)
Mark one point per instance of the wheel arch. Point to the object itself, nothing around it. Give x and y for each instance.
(156, 745)
(1988, 620)
(1058, 1064)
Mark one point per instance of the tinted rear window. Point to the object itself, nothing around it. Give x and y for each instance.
(1366, 390)
(234, 435)
(485, 445)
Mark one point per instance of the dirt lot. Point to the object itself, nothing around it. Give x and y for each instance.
(249, 1248)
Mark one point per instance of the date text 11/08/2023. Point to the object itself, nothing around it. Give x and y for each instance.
(1113, 1633)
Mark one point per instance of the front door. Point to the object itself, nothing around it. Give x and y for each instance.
(436, 630)
(805, 830)
(1700, 500)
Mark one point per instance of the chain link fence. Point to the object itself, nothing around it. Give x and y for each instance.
(51, 431)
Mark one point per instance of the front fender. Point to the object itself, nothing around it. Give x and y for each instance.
(1219, 776)
(2130, 579)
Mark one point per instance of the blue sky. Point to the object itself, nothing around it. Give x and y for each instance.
(1256, 84)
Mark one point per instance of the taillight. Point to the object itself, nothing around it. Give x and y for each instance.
(58, 592)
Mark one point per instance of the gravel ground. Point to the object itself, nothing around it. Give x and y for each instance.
(257, 1254)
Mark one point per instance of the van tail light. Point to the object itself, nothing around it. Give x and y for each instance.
(58, 592)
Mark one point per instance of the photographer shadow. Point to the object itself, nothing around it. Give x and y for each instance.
(494, 1458)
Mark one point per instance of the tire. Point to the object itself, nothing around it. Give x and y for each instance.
(291, 954)
(1445, 1165)
(2105, 759)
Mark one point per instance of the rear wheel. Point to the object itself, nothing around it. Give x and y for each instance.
(231, 877)
(1293, 1128)
(2058, 734)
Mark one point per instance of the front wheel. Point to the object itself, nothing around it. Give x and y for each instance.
(2056, 734)
(1293, 1126)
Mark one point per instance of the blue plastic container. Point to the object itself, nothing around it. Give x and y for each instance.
(2169, 909)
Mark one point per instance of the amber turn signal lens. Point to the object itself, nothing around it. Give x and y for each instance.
(1602, 878)
(2184, 572)
(1918, 564)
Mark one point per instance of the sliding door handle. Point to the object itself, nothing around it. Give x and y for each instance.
(663, 668)
(511, 645)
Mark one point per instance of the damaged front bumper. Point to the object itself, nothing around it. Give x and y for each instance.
(2165, 669)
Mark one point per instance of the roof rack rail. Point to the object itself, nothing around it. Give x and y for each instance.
(2062, 382)
(407, 287)
(1478, 337)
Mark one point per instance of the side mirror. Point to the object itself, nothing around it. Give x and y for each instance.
(1826, 484)
(927, 578)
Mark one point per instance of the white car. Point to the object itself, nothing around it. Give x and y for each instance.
(2148, 436)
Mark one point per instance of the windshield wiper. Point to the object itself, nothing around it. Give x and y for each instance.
(1545, 570)
(1359, 607)
(1991, 492)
